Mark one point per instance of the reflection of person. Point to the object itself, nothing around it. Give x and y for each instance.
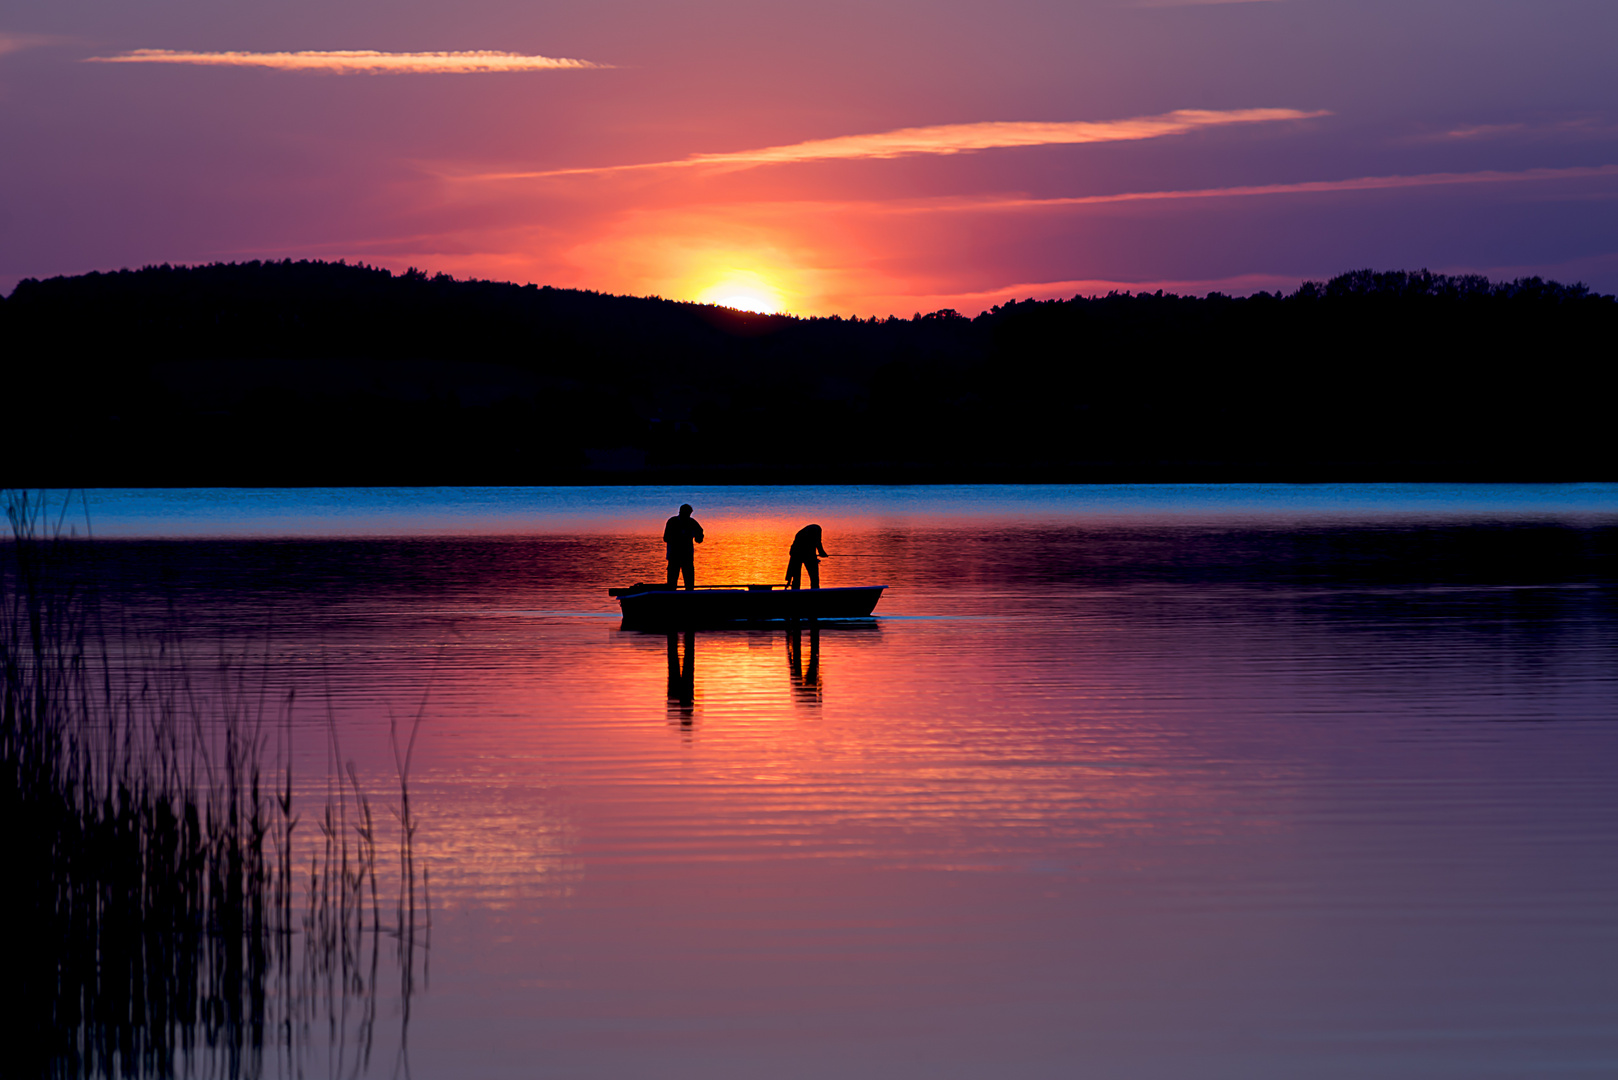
(679, 534)
(682, 677)
(808, 548)
(805, 684)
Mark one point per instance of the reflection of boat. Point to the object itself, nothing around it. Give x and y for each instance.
(711, 605)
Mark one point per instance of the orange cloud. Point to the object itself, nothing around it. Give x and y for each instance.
(953, 139)
(354, 61)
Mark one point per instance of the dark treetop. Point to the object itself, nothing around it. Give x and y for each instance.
(323, 373)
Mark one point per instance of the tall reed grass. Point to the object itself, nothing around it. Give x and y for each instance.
(169, 913)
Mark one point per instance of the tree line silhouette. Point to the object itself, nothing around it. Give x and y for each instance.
(326, 373)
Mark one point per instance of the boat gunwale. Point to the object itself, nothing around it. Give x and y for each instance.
(717, 607)
(746, 590)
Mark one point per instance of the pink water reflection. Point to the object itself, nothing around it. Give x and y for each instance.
(1138, 800)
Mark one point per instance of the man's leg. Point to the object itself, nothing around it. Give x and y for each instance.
(674, 573)
(795, 572)
(690, 572)
(814, 573)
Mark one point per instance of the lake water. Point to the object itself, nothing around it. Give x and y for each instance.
(1121, 782)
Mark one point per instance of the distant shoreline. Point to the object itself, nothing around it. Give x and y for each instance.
(322, 374)
(180, 514)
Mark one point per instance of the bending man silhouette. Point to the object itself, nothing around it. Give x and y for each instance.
(678, 534)
(807, 547)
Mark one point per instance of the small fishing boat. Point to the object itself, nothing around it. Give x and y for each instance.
(661, 605)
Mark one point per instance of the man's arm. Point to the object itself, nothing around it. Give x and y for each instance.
(697, 535)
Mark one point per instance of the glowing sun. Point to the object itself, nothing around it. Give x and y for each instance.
(745, 291)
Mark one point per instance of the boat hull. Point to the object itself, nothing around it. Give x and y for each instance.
(715, 607)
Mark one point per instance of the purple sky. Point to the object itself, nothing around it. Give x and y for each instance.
(918, 155)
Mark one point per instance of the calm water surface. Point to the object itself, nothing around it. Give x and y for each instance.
(1122, 782)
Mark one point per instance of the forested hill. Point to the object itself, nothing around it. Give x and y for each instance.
(323, 373)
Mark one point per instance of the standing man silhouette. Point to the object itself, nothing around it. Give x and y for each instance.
(807, 549)
(678, 534)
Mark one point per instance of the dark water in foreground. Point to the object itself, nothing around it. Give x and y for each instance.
(1206, 784)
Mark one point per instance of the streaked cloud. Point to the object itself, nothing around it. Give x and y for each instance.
(951, 139)
(1198, 3)
(973, 301)
(355, 61)
(1363, 183)
(10, 43)
(1482, 131)
(1574, 129)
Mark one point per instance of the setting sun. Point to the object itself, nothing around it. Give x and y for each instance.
(744, 291)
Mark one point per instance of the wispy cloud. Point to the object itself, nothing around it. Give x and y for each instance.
(1196, 3)
(975, 300)
(1363, 183)
(1579, 128)
(950, 139)
(354, 61)
(1482, 131)
(10, 43)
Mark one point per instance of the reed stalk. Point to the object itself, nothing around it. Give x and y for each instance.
(148, 820)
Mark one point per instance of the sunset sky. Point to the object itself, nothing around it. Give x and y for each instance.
(882, 157)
